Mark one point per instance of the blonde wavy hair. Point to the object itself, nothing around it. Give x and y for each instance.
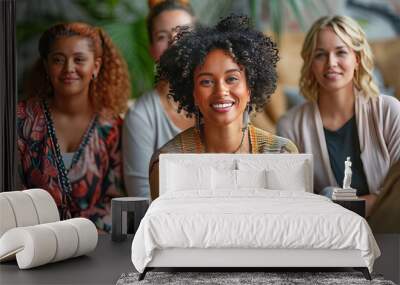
(352, 35)
(109, 92)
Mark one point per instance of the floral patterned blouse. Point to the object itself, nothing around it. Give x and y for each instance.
(95, 177)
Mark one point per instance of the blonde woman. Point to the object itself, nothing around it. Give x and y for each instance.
(345, 115)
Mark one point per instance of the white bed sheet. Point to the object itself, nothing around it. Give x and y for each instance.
(252, 218)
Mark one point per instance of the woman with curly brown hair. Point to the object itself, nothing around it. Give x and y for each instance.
(220, 75)
(69, 126)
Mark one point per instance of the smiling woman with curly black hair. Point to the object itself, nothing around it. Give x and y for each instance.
(220, 74)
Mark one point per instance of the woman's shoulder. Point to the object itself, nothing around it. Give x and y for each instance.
(291, 121)
(31, 122)
(110, 121)
(266, 142)
(172, 146)
(187, 141)
(29, 108)
(304, 109)
(382, 100)
(109, 126)
(149, 101)
(382, 106)
(144, 109)
(390, 102)
(30, 118)
(390, 112)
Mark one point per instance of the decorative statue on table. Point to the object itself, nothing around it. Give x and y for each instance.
(346, 192)
(347, 174)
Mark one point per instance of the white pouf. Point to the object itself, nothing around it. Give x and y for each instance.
(40, 244)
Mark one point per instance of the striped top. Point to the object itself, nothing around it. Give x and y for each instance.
(189, 141)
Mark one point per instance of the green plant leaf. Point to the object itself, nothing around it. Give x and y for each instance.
(296, 9)
(133, 44)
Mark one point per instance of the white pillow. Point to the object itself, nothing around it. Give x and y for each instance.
(224, 179)
(236, 179)
(251, 178)
(292, 179)
(182, 177)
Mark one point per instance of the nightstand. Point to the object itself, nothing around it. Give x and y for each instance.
(127, 212)
(356, 205)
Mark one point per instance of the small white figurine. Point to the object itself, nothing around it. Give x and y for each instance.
(347, 174)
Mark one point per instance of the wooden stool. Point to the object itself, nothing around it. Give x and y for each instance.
(127, 212)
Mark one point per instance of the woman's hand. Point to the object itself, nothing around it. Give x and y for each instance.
(369, 203)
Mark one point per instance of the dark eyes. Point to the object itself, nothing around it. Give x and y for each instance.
(210, 82)
(80, 59)
(162, 37)
(61, 60)
(319, 55)
(232, 79)
(206, 82)
(58, 60)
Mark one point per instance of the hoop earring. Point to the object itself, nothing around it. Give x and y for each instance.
(246, 117)
(198, 118)
(94, 77)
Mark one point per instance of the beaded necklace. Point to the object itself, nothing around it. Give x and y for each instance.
(62, 171)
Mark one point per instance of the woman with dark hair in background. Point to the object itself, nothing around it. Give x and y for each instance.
(220, 75)
(69, 126)
(345, 115)
(154, 119)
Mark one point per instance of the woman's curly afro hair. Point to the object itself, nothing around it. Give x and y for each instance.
(250, 49)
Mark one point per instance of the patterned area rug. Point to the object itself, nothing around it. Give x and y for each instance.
(230, 278)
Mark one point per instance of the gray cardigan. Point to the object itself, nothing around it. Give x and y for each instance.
(146, 129)
(378, 125)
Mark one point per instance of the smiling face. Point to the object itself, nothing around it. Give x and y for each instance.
(163, 29)
(334, 63)
(70, 65)
(220, 89)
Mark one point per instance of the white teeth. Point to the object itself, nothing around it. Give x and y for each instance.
(222, 106)
(331, 74)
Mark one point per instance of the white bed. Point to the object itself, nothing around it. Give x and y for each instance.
(240, 211)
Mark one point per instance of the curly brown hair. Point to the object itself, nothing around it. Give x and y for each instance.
(109, 92)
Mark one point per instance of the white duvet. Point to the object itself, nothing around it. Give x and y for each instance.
(253, 218)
